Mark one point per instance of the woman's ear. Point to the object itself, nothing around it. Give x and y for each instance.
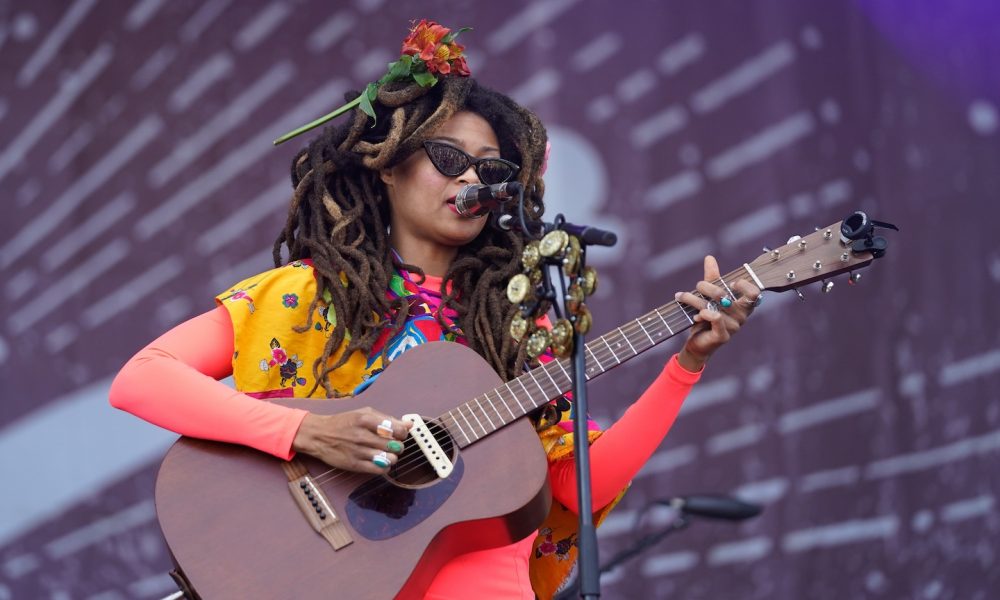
(387, 176)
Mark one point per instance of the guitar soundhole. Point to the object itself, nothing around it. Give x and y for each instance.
(413, 469)
(384, 507)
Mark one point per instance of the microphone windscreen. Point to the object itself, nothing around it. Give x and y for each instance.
(718, 507)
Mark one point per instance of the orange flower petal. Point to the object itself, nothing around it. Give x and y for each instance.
(424, 41)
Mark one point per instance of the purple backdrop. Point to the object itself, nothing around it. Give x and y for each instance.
(137, 180)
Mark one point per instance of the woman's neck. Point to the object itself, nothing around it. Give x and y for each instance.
(433, 259)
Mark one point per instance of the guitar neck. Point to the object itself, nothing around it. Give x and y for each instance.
(481, 416)
(803, 260)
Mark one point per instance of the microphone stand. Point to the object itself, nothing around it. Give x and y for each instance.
(589, 568)
(590, 575)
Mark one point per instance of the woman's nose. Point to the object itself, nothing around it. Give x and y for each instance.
(470, 175)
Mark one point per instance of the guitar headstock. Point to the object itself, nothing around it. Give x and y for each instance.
(844, 246)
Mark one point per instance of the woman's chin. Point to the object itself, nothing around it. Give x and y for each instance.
(465, 231)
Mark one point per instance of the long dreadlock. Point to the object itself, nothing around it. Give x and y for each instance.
(339, 214)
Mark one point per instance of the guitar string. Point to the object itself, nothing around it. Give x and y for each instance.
(634, 326)
(419, 461)
(404, 467)
(395, 473)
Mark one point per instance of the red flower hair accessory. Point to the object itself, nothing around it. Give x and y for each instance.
(429, 51)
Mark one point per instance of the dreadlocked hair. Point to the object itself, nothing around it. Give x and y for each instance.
(339, 214)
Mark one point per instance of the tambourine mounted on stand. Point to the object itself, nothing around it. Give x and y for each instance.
(533, 292)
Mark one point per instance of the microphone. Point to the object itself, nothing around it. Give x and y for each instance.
(478, 199)
(714, 507)
(590, 236)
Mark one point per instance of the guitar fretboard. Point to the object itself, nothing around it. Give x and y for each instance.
(481, 416)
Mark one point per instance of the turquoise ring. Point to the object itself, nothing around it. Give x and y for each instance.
(381, 460)
(725, 302)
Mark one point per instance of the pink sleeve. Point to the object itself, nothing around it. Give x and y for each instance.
(172, 383)
(620, 452)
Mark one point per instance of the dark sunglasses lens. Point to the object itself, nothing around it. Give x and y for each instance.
(494, 171)
(449, 161)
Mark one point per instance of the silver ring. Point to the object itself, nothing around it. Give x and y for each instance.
(712, 306)
(752, 303)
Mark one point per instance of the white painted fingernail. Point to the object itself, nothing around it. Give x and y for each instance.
(677, 296)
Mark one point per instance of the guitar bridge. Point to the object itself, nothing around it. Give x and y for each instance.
(315, 506)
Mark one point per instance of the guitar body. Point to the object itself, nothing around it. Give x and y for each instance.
(232, 526)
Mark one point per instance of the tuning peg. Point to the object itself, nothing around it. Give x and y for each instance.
(765, 249)
(827, 286)
(799, 293)
(854, 278)
(798, 238)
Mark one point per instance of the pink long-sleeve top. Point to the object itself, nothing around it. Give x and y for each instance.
(173, 383)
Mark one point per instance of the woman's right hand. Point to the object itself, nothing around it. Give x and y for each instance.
(350, 440)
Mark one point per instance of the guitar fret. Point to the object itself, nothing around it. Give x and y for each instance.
(516, 399)
(655, 327)
(603, 339)
(657, 311)
(565, 372)
(464, 418)
(549, 375)
(526, 392)
(594, 356)
(646, 332)
(459, 428)
(485, 414)
(622, 333)
(684, 311)
(473, 413)
(496, 412)
(725, 285)
(545, 394)
(504, 402)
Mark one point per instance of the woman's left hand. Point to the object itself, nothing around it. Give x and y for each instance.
(713, 327)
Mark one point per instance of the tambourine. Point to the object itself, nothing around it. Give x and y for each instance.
(559, 248)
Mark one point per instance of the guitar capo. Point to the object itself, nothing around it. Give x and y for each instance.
(858, 232)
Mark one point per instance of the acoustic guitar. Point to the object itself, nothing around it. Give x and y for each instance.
(242, 524)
